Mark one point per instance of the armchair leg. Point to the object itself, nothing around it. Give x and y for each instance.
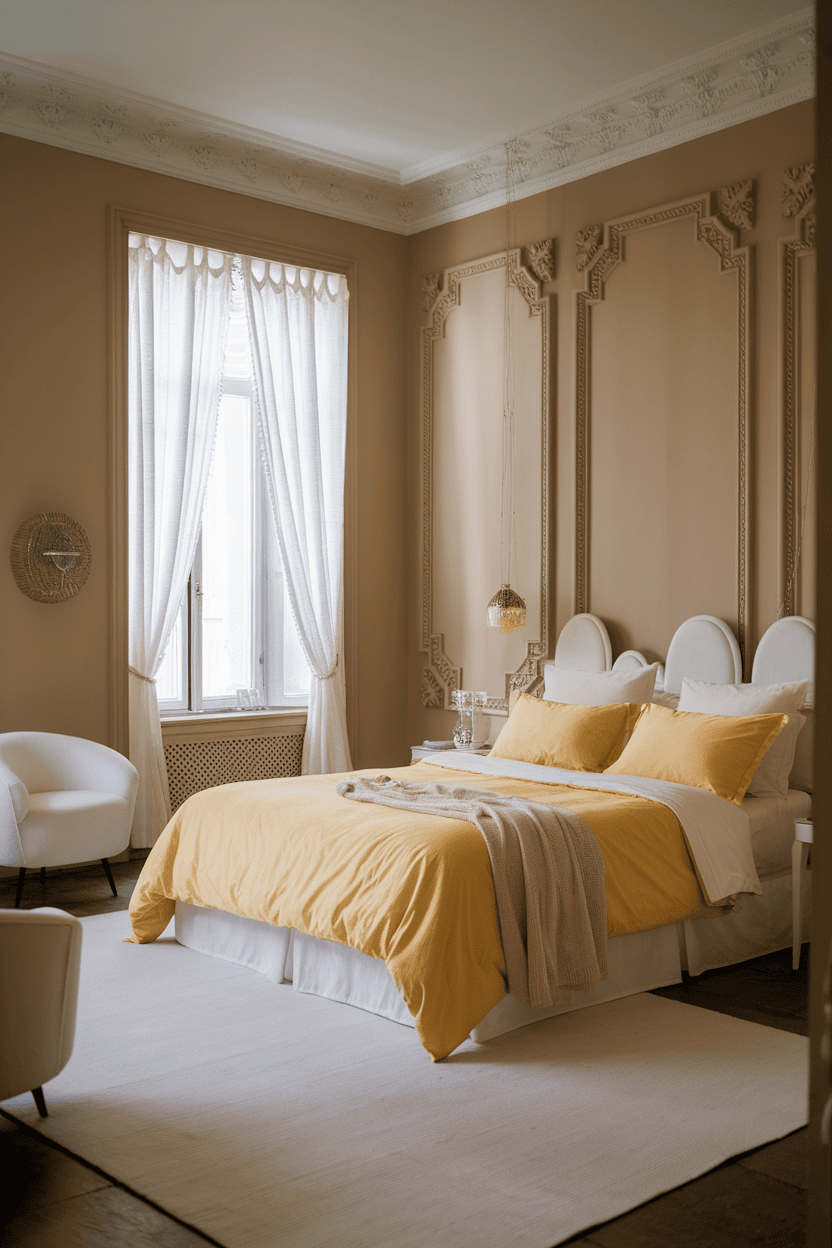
(37, 1093)
(21, 876)
(105, 864)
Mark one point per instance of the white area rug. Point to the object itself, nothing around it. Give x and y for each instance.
(265, 1117)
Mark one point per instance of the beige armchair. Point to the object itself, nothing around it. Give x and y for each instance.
(62, 800)
(40, 959)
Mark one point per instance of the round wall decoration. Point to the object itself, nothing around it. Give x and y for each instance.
(50, 557)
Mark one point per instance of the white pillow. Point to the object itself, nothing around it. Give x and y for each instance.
(564, 684)
(771, 779)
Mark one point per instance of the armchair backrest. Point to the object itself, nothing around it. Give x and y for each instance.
(40, 959)
(48, 761)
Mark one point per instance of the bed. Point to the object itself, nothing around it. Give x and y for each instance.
(703, 650)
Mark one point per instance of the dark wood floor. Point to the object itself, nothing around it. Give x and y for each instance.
(55, 1200)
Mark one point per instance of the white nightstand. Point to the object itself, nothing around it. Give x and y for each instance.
(800, 855)
(418, 752)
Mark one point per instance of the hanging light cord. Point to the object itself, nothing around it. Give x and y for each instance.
(508, 531)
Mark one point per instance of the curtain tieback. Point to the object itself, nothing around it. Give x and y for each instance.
(328, 675)
(141, 676)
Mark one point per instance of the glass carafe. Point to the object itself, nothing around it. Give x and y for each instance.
(471, 727)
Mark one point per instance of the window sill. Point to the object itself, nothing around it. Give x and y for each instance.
(218, 725)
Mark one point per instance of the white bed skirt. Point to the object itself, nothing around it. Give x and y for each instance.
(636, 963)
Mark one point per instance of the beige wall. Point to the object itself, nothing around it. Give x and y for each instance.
(54, 660)
(54, 671)
(761, 150)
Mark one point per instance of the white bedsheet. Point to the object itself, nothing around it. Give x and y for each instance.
(771, 824)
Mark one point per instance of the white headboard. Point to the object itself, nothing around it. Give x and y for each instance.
(629, 661)
(584, 645)
(703, 648)
(786, 652)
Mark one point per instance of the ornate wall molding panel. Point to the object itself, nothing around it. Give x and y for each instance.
(767, 69)
(440, 675)
(711, 230)
(798, 199)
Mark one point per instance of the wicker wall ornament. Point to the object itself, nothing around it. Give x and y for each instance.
(50, 557)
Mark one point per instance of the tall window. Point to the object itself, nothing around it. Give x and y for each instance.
(234, 630)
(237, 402)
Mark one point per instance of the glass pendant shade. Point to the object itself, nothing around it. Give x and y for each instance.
(506, 610)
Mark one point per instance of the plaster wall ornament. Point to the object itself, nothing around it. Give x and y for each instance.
(699, 82)
(204, 155)
(765, 81)
(432, 695)
(736, 204)
(760, 58)
(108, 129)
(742, 78)
(250, 168)
(542, 259)
(156, 144)
(334, 192)
(798, 205)
(6, 88)
(431, 286)
(798, 188)
(52, 107)
(589, 240)
(432, 642)
(721, 239)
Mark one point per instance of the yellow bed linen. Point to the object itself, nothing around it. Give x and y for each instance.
(413, 890)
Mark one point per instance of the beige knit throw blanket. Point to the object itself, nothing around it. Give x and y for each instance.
(548, 880)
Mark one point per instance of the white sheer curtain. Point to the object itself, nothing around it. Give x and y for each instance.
(179, 306)
(298, 321)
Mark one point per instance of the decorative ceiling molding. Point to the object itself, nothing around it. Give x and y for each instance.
(733, 82)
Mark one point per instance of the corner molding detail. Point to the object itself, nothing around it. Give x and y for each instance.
(589, 240)
(798, 199)
(431, 693)
(746, 77)
(737, 204)
(798, 188)
(721, 239)
(441, 677)
(431, 286)
(542, 259)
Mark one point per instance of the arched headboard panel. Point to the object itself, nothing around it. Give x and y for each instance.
(703, 648)
(584, 645)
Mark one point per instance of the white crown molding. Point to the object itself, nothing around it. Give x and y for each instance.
(736, 81)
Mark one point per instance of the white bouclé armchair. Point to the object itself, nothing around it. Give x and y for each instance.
(40, 959)
(62, 800)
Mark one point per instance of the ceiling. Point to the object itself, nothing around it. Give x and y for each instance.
(390, 112)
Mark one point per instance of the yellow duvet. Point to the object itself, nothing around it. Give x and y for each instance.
(413, 890)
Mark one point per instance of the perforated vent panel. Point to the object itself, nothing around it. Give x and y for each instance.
(196, 765)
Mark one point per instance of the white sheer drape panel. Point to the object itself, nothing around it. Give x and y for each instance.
(298, 325)
(178, 318)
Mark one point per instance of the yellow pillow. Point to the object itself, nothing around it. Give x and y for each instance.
(579, 738)
(715, 752)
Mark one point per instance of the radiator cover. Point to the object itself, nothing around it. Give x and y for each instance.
(196, 765)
